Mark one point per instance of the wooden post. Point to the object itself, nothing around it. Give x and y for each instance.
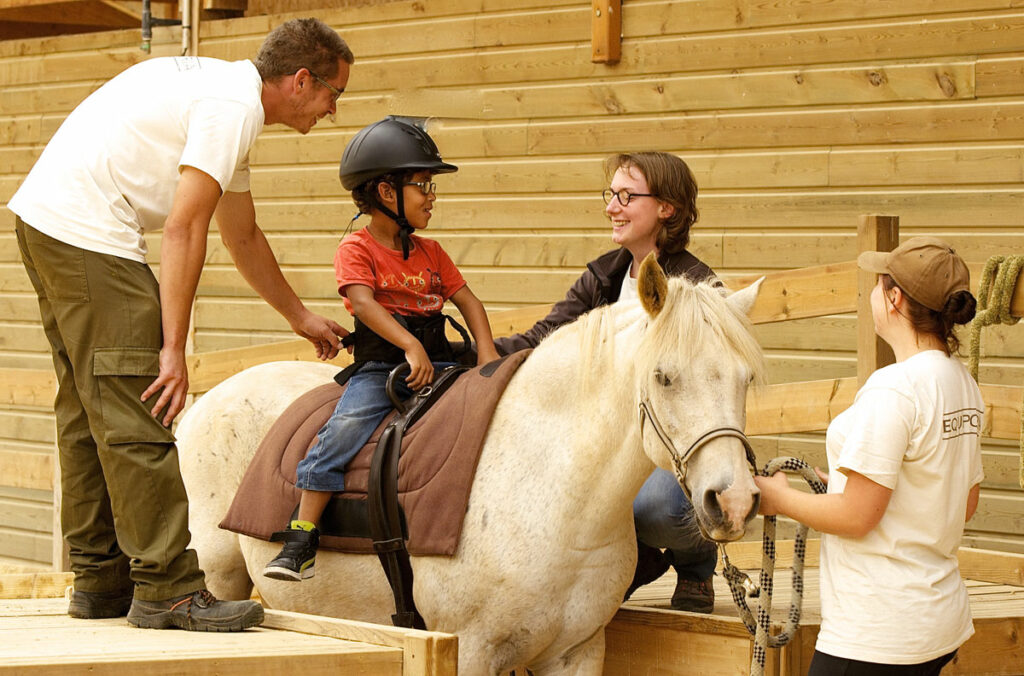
(606, 31)
(874, 233)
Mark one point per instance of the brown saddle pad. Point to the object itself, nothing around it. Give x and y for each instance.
(439, 458)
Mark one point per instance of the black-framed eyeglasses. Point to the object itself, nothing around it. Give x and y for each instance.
(426, 187)
(335, 92)
(624, 196)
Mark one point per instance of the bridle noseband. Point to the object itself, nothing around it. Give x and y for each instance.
(679, 460)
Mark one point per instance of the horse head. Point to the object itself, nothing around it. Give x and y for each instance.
(693, 366)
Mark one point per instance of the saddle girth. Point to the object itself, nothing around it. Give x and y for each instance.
(385, 513)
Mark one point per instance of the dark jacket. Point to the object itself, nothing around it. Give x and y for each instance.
(600, 285)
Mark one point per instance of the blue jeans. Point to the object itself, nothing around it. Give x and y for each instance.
(665, 519)
(362, 407)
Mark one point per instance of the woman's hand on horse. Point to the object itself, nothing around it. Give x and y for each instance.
(772, 488)
(421, 371)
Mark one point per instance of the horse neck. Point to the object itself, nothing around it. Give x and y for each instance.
(601, 461)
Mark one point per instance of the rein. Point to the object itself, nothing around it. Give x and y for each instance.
(740, 584)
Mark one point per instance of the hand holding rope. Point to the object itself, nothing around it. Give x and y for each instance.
(742, 587)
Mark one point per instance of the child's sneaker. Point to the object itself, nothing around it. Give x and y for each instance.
(297, 557)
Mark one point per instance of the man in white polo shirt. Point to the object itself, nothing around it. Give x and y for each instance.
(164, 145)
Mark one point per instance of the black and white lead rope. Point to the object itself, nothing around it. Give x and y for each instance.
(742, 587)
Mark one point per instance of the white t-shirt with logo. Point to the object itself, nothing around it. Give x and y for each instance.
(895, 596)
(110, 172)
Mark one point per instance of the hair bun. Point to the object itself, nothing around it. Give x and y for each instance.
(960, 307)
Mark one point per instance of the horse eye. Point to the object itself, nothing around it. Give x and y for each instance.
(662, 379)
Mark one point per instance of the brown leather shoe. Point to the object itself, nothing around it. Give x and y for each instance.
(99, 605)
(197, 611)
(695, 596)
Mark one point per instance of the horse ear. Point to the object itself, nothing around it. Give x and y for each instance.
(744, 299)
(652, 285)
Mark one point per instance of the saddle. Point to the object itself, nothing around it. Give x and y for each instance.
(435, 460)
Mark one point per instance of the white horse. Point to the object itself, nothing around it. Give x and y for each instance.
(548, 546)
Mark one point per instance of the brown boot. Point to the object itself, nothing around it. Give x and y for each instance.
(695, 596)
(197, 611)
(99, 605)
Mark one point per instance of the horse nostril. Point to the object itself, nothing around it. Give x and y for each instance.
(754, 507)
(712, 506)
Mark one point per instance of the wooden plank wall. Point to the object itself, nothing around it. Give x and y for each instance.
(796, 117)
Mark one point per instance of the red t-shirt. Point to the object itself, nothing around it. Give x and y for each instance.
(418, 286)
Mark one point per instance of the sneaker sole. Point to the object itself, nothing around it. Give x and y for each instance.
(168, 620)
(287, 574)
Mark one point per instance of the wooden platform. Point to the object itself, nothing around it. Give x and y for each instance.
(647, 637)
(37, 637)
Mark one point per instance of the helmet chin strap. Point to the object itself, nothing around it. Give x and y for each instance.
(404, 229)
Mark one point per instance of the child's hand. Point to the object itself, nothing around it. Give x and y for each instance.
(485, 354)
(421, 371)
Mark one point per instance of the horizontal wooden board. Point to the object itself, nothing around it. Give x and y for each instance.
(25, 469)
(26, 515)
(27, 425)
(638, 92)
(27, 545)
(27, 388)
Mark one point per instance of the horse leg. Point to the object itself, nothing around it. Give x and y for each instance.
(585, 659)
(220, 556)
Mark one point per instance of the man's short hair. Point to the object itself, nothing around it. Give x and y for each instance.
(302, 43)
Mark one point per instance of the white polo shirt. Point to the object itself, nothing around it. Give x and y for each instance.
(895, 596)
(110, 172)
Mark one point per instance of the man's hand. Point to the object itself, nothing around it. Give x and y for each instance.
(173, 380)
(324, 333)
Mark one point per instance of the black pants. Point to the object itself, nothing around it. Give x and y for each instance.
(827, 665)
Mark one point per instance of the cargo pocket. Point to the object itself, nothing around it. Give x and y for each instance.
(122, 375)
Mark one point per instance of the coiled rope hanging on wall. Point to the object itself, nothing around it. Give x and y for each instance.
(995, 291)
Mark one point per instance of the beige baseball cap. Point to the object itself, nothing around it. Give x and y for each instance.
(926, 268)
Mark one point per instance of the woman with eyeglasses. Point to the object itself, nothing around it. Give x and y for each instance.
(651, 203)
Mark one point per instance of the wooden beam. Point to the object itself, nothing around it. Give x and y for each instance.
(206, 369)
(34, 585)
(425, 653)
(28, 388)
(811, 405)
(606, 31)
(798, 407)
(990, 566)
(874, 233)
(1017, 299)
(799, 294)
(1003, 412)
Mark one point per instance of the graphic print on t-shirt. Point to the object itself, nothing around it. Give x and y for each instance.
(961, 422)
(398, 293)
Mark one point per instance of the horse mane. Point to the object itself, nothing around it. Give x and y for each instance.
(694, 316)
(697, 315)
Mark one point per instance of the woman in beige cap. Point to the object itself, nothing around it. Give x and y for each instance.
(905, 468)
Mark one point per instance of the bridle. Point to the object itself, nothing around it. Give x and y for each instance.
(679, 460)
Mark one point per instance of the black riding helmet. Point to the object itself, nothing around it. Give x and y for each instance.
(394, 144)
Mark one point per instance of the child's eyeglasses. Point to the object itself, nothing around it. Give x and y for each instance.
(426, 187)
